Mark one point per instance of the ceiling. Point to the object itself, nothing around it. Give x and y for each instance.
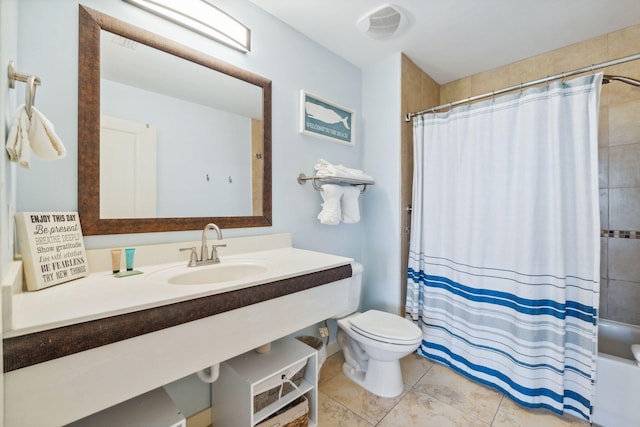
(451, 39)
(128, 62)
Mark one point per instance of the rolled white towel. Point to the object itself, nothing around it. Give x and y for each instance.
(635, 349)
(350, 208)
(331, 213)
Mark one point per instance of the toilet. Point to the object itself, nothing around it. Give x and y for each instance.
(373, 343)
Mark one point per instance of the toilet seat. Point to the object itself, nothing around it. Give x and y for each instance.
(386, 327)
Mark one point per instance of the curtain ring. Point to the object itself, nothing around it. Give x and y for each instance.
(592, 70)
(450, 106)
(30, 94)
(520, 87)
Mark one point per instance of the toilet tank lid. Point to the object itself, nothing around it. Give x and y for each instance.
(386, 325)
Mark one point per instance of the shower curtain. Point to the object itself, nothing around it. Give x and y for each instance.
(503, 274)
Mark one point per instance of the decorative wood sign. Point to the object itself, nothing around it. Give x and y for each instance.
(52, 248)
(325, 119)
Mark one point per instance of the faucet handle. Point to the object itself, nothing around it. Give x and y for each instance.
(214, 252)
(193, 257)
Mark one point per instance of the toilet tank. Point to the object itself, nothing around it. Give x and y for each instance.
(355, 290)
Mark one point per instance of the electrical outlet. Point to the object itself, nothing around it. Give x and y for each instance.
(324, 332)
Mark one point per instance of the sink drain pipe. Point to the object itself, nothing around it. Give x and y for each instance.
(209, 375)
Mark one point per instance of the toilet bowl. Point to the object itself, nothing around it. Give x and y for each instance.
(373, 343)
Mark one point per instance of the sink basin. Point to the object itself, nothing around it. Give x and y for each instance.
(217, 273)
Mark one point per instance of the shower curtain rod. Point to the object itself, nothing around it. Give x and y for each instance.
(591, 68)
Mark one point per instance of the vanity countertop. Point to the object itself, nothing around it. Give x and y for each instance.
(99, 329)
(101, 295)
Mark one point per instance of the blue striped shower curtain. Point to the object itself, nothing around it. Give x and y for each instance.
(504, 258)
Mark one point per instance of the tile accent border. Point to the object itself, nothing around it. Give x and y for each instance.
(30, 349)
(620, 234)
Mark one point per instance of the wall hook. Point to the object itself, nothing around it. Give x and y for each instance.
(31, 81)
(13, 75)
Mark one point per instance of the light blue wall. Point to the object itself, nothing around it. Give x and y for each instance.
(47, 46)
(214, 156)
(47, 42)
(382, 111)
(8, 51)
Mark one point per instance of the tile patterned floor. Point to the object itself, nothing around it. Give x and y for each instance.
(433, 396)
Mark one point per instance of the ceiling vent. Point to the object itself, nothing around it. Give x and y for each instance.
(383, 23)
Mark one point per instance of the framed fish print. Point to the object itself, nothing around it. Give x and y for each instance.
(325, 119)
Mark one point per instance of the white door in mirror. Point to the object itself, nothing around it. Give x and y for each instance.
(130, 149)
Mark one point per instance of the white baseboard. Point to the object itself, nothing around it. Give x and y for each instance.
(332, 348)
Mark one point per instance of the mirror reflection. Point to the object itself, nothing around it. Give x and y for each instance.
(197, 126)
(175, 134)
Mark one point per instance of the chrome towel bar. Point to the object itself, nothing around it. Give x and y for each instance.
(302, 179)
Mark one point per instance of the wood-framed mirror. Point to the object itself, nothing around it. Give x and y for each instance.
(207, 187)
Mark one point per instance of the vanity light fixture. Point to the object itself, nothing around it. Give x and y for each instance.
(201, 17)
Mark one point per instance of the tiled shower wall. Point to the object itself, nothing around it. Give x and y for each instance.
(418, 91)
(619, 154)
(619, 170)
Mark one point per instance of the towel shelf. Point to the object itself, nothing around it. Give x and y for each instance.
(302, 179)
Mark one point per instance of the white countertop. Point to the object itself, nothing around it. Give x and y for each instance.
(101, 295)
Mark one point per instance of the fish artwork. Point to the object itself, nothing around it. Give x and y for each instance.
(325, 115)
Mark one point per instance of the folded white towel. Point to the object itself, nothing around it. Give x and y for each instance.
(331, 213)
(324, 168)
(350, 208)
(35, 134)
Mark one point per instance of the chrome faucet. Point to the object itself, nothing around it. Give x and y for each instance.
(204, 250)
